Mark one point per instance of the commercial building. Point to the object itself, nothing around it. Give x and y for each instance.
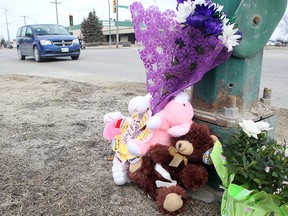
(125, 30)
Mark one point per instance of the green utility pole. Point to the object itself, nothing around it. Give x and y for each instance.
(230, 93)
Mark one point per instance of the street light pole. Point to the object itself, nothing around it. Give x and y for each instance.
(56, 3)
(24, 19)
(117, 29)
(109, 24)
(5, 10)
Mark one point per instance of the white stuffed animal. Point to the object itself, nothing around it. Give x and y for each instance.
(119, 129)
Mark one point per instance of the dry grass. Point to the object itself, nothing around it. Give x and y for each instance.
(53, 159)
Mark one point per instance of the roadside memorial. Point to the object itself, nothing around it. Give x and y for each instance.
(178, 48)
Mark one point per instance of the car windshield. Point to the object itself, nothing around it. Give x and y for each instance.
(50, 30)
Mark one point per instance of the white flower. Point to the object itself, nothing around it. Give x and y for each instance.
(286, 152)
(184, 10)
(267, 169)
(228, 36)
(218, 7)
(200, 2)
(263, 126)
(278, 191)
(250, 128)
(224, 19)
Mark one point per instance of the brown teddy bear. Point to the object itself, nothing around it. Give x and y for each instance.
(167, 171)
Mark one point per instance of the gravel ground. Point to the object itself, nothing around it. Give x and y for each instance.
(53, 158)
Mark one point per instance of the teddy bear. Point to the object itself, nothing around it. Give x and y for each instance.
(173, 121)
(165, 173)
(113, 120)
(118, 129)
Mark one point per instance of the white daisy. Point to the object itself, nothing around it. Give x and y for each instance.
(218, 7)
(200, 2)
(184, 10)
(228, 36)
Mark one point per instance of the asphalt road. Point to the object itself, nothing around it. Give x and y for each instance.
(124, 64)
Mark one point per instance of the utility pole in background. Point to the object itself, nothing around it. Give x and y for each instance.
(117, 26)
(5, 11)
(56, 3)
(109, 24)
(24, 19)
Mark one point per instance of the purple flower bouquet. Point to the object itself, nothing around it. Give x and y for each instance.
(179, 47)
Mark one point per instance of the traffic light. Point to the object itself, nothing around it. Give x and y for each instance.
(71, 20)
(114, 5)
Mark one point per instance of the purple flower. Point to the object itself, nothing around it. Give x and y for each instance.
(204, 10)
(204, 19)
(176, 57)
(213, 26)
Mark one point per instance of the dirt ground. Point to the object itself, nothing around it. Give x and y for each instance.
(53, 158)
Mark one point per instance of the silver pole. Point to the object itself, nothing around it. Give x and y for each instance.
(109, 24)
(7, 26)
(56, 6)
(56, 11)
(117, 29)
(24, 19)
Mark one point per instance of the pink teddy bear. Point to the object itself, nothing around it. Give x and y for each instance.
(173, 121)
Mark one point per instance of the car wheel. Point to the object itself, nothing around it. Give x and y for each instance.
(37, 56)
(75, 57)
(21, 57)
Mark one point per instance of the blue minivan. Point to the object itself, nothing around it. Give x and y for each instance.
(46, 41)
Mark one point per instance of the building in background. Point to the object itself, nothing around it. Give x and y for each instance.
(125, 31)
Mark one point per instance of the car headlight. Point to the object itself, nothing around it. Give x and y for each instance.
(75, 41)
(45, 42)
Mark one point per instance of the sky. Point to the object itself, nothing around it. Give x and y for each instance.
(43, 11)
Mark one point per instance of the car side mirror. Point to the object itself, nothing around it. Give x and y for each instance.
(71, 33)
(28, 35)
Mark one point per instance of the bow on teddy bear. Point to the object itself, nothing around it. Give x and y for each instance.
(165, 172)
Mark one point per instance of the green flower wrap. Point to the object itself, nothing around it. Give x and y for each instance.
(237, 200)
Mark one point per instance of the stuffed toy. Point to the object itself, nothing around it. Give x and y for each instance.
(113, 120)
(166, 172)
(118, 129)
(173, 121)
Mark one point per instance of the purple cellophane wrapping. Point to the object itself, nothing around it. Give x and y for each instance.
(174, 57)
